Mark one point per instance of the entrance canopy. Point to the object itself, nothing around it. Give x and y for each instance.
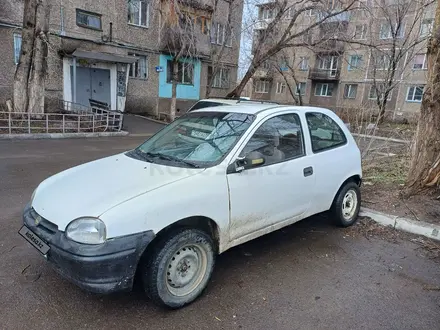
(104, 57)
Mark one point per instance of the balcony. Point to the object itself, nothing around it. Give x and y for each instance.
(324, 74)
(262, 24)
(341, 17)
(330, 46)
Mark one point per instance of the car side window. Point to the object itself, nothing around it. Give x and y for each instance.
(325, 133)
(277, 139)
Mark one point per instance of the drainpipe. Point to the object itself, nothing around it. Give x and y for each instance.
(74, 81)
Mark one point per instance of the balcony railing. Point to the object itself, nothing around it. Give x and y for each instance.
(341, 17)
(324, 74)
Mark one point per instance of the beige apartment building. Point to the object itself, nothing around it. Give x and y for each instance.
(342, 71)
(116, 52)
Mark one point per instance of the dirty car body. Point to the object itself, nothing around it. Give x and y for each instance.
(233, 172)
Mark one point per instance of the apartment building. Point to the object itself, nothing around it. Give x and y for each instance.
(342, 71)
(117, 52)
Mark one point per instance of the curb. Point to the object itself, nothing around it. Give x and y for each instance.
(153, 120)
(38, 136)
(381, 138)
(411, 226)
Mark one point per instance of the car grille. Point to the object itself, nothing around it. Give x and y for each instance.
(43, 224)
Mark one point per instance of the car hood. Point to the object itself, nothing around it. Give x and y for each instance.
(93, 188)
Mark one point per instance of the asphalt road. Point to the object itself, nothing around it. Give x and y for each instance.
(308, 276)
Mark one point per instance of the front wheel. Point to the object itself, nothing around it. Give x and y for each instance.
(347, 204)
(179, 268)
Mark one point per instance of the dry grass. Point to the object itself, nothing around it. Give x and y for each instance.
(386, 170)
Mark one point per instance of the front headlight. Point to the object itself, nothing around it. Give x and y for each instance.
(87, 231)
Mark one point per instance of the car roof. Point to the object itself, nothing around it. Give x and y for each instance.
(240, 101)
(256, 108)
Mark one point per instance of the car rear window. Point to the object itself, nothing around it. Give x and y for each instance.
(205, 104)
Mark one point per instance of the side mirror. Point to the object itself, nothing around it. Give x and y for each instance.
(242, 163)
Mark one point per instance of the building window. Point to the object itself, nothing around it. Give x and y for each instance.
(267, 13)
(139, 12)
(266, 65)
(426, 27)
(415, 93)
(88, 19)
(262, 86)
(354, 62)
(218, 35)
(300, 88)
(281, 88)
(350, 91)
(360, 32)
(304, 63)
(139, 69)
(386, 31)
(17, 48)
(420, 62)
(324, 89)
(290, 12)
(221, 78)
(381, 89)
(307, 37)
(382, 62)
(185, 73)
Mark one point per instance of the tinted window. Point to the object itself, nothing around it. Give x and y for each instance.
(324, 132)
(278, 139)
(205, 104)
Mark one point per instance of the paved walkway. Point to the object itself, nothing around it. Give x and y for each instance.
(139, 126)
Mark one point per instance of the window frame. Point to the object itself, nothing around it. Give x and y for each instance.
(327, 148)
(363, 35)
(258, 126)
(326, 91)
(390, 94)
(88, 13)
(424, 64)
(147, 18)
(220, 73)
(429, 27)
(304, 60)
(281, 87)
(414, 93)
(266, 83)
(132, 67)
(303, 91)
(349, 89)
(385, 65)
(182, 69)
(350, 66)
(17, 36)
(389, 35)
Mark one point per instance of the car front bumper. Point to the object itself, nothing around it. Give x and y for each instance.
(104, 268)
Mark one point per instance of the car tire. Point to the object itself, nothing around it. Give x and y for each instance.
(179, 268)
(347, 204)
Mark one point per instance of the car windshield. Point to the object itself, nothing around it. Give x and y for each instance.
(198, 139)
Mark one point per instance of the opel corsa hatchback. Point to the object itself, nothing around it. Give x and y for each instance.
(211, 180)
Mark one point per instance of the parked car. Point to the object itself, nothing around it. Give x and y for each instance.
(215, 102)
(213, 179)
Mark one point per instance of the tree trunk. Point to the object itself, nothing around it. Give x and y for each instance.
(424, 173)
(236, 92)
(23, 69)
(36, 84)
(174, 90)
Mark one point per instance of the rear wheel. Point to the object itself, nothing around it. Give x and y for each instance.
(179, 268)
(347, 204)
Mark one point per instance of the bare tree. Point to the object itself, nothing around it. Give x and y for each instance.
(181, 35)
(29, 80)
(393, 40)
(286, 28)
(424, 173)
(287, 71)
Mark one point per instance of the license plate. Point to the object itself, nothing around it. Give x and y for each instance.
(32, 238)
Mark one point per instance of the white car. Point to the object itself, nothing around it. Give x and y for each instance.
(211, 180)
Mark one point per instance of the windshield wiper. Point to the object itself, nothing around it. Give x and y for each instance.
(171, 158)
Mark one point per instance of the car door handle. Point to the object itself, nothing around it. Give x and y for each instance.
(308, 171)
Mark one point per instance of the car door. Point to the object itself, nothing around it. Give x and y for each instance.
(276, 181)
(331, 156)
